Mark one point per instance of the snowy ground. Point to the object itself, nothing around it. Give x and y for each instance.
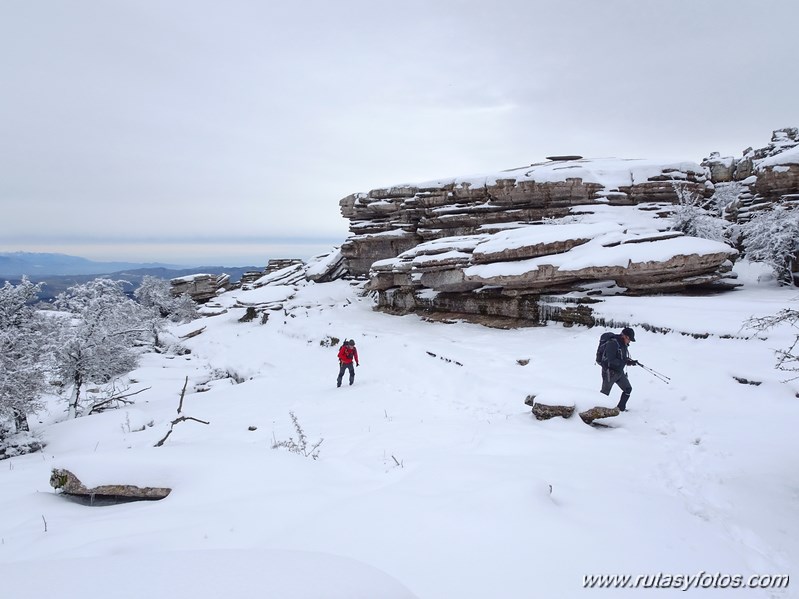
(433, 479)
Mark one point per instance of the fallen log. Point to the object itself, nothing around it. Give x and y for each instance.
(69, 484)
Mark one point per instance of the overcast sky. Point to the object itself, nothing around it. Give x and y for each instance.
(186, 129)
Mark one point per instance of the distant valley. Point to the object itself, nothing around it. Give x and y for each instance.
(60, 271)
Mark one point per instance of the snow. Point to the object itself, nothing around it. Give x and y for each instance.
(612, 173)
(423, 260)
(433, 478)
(446, 244)
(787, 156)
(210, 573)
(518, 238)
(261, 295)
(594, 254)
(319, 265)
(190, 278)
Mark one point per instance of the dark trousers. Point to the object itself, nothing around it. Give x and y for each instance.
(341, 369)
(615, 377)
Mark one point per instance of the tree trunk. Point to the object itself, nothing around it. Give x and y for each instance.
(75, 398)
(21, 421)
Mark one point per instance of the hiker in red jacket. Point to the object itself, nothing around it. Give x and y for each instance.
(346, 354)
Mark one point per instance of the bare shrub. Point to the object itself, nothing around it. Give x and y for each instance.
(300, 445)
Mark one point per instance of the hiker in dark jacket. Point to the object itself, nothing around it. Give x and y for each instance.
(346, 355)
(614, 359)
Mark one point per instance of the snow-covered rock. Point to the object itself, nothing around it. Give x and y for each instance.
(491, 245)
(200, 287)
(386, 222)
(770, 174)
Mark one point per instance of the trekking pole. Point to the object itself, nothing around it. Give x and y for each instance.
(655, 373)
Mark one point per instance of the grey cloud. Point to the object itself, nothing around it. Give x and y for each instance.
(128, 117)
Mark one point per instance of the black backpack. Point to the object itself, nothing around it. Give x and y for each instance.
(600, 350)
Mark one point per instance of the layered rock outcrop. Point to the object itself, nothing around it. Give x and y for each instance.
(501, 245)
(766, 176)
(200, 287)
(387, 222)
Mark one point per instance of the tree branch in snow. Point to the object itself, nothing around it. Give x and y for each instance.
(104, 404)
(786, 358)
(179, 418)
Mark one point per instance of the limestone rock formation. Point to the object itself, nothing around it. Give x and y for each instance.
(250, 279)
(497, 245)
(200, 287)
(517, 272)
(66, 482)
(276, 264)
(768, 175)
(326, 268)
(387, 222)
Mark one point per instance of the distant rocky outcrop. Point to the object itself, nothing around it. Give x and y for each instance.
(285, 272)
(280, 263)
(200, 287)
(249, 278)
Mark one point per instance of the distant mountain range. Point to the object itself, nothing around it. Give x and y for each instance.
(16, 264)
(60, 271)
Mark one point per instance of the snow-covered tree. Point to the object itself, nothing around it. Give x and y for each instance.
(725, 195)
(22, 349)
(773, 237)
(156, 293)
(98, 335)
(184, 309)
(155, 297)
(694, 216)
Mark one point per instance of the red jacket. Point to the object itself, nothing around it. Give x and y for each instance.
(347, 354)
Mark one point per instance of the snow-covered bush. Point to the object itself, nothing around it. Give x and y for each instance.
(97, 335)
(299, 446)
(773, 237)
